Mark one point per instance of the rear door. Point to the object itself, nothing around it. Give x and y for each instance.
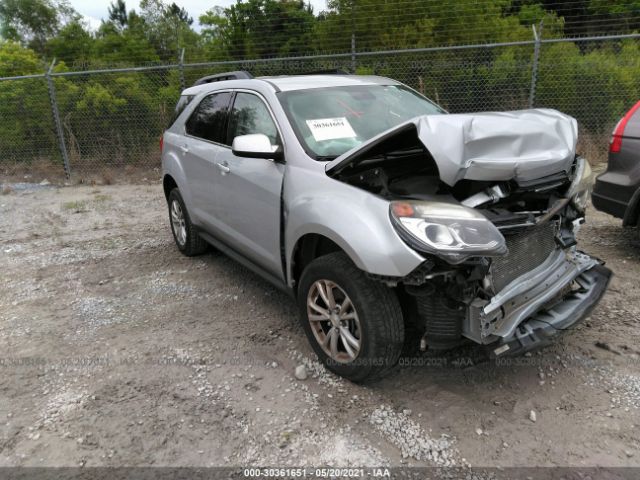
(205, 136)
(248, 189)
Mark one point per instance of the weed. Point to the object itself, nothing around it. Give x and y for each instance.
(76, 206)
(101, 198)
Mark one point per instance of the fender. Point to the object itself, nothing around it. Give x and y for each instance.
(172, 165)
(338, 211)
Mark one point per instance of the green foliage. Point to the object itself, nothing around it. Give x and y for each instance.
(33, 22)
(17, 60)
(117, 116)
(168, 28)
(118, 14)
(597, 86)
(28, 21)
(394, 24)
(259, 28)
(73, 44)
(120, 114)
(119, 49)
(607, 7)
(25, 116)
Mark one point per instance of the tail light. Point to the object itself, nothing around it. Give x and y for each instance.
(161, 142)
(616, 138)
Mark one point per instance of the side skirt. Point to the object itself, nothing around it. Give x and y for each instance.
(258, 270)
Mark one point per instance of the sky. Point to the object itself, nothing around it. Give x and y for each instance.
(95, 10)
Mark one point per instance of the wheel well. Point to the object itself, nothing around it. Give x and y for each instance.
(308, 248)
(168, 184)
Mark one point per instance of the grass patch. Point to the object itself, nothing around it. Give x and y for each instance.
(101, 198)
(76, 206)
(110, 244)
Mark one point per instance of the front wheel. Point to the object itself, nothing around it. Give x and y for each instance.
(354, 323)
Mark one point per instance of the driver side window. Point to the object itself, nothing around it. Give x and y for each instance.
(250, 115)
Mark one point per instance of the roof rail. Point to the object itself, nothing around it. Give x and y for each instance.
(333, 71)
(219, 77)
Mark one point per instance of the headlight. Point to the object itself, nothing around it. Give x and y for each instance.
(451, 232)
(582, 184)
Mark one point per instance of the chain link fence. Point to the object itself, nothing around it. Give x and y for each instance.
(104, 125)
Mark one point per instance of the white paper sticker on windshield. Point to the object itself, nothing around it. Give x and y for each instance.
(330, 128)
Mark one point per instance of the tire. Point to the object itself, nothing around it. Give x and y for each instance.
(372, 315)
(184, 233)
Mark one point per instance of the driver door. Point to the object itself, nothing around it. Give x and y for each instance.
(248, 189)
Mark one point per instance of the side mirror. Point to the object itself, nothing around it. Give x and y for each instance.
(256, 145)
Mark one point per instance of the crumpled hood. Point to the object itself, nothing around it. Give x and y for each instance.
(521, 145)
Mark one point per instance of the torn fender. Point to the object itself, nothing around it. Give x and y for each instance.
(520, 145)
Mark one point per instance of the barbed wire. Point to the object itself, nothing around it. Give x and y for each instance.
(110, 118)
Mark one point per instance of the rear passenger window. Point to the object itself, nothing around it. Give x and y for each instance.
(180, 106)
(209, 118)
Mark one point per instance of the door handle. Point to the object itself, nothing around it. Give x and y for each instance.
(224, 169)
(184, 149)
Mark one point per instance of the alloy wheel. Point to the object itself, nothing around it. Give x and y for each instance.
(334, 321)
(178, 223)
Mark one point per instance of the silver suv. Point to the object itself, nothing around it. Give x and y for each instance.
(378, 211)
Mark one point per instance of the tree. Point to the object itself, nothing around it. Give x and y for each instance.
(26, 130)
(403, 24)
(616, 17)
(33, 22)
(180, 14)
(126, 47)
(168, 28)
(118, 14)
(16, 60)
(260, 28)
(73, 44)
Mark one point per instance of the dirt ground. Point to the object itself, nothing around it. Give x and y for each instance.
(118, 351)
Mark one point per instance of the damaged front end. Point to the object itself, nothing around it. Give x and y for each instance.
(513, 298)
(498, 232)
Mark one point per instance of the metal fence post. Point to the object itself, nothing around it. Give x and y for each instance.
(56, 120)
(181, 71)
(534, 67)
(353, 37)
(353, 53)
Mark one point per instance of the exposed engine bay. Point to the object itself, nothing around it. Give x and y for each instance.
(504, 295)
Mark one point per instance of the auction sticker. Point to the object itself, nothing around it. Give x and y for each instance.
(330, 128)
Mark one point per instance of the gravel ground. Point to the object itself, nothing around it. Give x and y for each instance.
(117, 350)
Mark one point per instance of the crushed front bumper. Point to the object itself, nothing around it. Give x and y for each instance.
(539, 304)
(536, 331)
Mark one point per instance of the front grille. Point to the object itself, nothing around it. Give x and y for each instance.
(527, 250)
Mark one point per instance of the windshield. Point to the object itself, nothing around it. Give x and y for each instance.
(331, 121)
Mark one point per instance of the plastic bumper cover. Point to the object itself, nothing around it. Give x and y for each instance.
(537, 330)
(613, 194)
